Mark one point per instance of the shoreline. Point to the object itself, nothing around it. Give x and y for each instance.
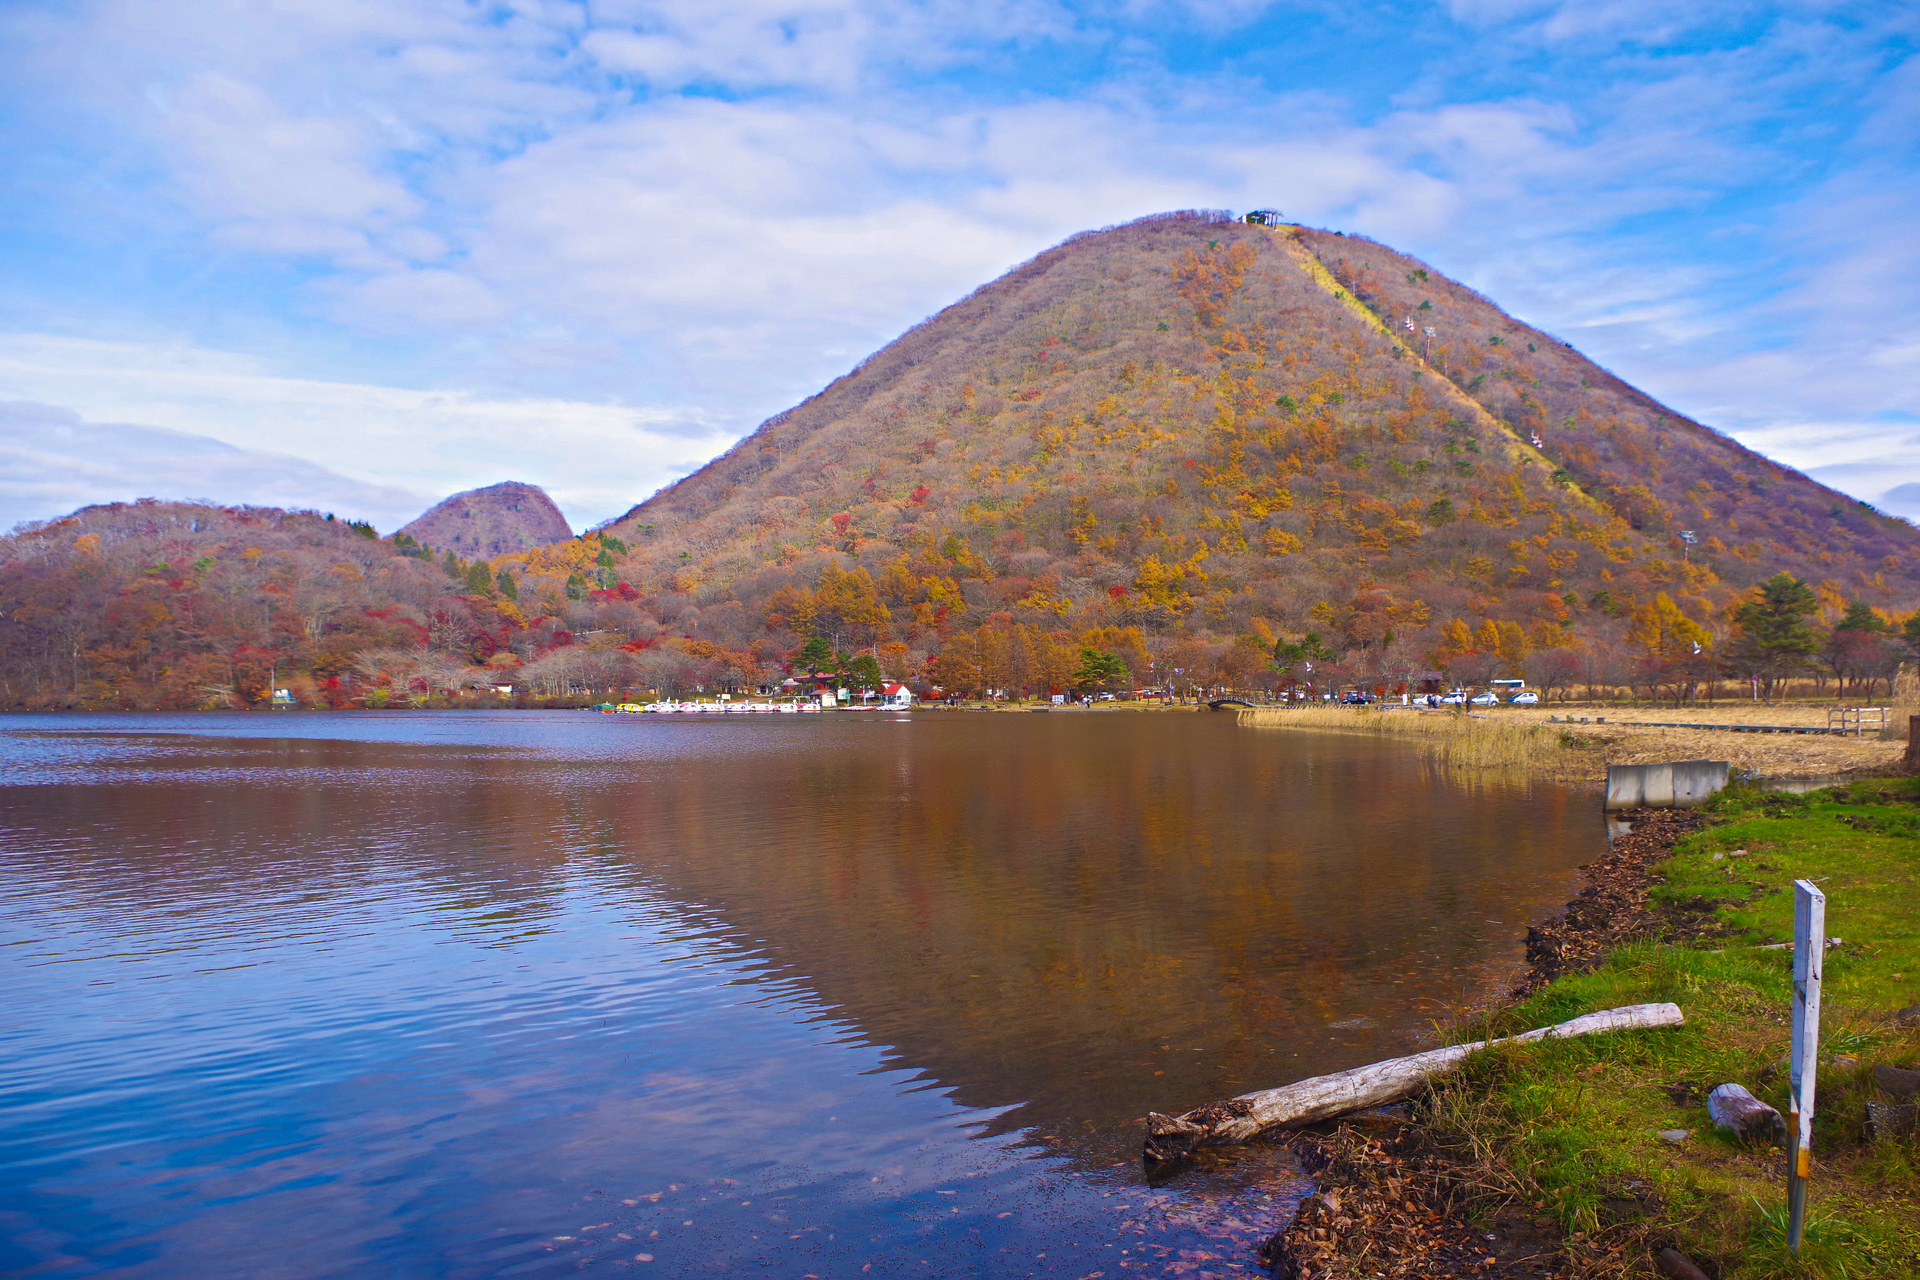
(1384, 1183)
(1552, 1162)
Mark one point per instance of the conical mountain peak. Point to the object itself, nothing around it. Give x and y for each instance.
(1201, 426)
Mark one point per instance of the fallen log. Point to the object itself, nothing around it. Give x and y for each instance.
(1324, 1097)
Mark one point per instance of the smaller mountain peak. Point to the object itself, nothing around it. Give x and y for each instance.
(495, 521)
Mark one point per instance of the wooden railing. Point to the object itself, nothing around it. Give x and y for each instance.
(1856, 720)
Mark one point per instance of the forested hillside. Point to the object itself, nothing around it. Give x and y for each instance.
(1216, 437)
(1194, 447)
(185, 606)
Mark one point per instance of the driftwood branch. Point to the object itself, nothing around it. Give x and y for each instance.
(1324, 1097)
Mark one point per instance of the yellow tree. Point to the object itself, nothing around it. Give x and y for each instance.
(792, 609)
(956, 669)
(896, 659)
(1662, 630)
(1455, 642)
(1513, 644)
(848, 604)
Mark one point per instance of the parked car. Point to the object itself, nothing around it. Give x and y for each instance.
(1524, 698)
(1356, 699)
(1454, 698)
(1483, 700)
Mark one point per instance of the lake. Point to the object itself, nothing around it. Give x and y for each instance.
(543, 993)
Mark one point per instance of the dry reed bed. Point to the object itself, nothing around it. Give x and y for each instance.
(1461, 741)
(1513, 738)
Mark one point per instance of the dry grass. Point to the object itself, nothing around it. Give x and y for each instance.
(1798, 714)
(1461, 741)
(1624, 739)
(1904, 704)
(1525, 739)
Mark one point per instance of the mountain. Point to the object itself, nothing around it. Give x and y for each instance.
(493, 521)
(1191, 443)
(1207, 429)
(177, 604)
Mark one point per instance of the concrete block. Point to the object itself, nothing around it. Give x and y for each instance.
(1680, 784)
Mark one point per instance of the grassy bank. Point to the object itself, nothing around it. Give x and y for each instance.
(1570, 1131)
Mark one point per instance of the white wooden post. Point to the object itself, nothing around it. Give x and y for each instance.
(1809, 959)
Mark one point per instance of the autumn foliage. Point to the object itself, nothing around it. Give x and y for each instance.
(1185, 444)
(1208, 432)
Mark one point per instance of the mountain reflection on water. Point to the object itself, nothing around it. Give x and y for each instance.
(508, 994)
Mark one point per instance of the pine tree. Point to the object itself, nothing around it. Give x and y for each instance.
(1776, 639)
(1098, 670)
(1862, 616)
(816, 655)
(864, 672)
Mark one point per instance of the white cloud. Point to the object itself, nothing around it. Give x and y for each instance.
(52, 462)
(708, 211)
(595, 459)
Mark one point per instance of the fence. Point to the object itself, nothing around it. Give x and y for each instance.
(1857, 720)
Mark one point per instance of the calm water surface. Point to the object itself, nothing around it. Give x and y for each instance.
(531, 994)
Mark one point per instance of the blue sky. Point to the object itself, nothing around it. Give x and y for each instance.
(396, 248)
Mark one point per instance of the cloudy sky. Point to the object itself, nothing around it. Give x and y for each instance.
(359, 254)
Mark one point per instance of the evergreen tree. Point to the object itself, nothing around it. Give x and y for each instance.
(507, 587)
(1776, 639)
(1099, 670)
(479, 581)
(1861, 616)
(864, 672)
(1287, 653)
(816, 655)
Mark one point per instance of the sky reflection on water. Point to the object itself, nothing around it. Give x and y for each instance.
(508, 994)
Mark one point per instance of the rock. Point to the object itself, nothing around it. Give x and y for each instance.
(1908, 1016)
(1897, 1081)
(1890, 1119)
(1745, 1116)
(1675, 1136)
(1678, 1265)
(1843, 1062)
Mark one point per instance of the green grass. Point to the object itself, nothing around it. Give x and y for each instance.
(1571, 1128)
